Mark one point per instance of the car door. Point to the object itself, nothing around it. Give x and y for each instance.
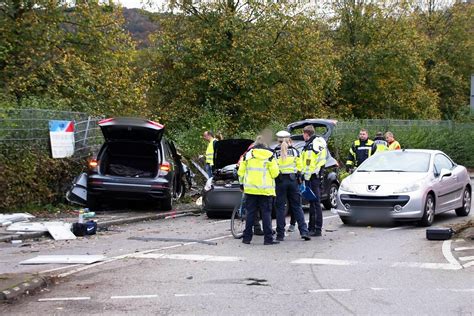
(447, 187)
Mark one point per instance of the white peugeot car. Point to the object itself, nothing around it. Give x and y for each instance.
(411, 185)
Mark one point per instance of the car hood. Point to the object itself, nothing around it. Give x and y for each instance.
(131, 129)
(386, 182)
(228, 151)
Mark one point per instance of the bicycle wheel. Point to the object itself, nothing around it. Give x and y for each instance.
(237, 222)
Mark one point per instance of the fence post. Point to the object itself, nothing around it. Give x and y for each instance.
(87, 131)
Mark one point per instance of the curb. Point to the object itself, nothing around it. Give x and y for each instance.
(107, 223)
(28, 285)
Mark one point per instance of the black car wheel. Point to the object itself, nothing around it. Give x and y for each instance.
(331, 201)
(465, 209)
(166, 204)
(93, 203)
(345, 220)
(429, 212)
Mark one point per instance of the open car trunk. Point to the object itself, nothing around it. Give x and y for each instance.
(130, 159)
(227, 153)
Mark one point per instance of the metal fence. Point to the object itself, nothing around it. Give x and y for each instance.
(27, 127)
(30, 127)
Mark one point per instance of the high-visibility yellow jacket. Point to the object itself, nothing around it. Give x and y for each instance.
(313, 159)
(292, 163)
(394, 145)
(360, 151)
(210, 152)
(381, 144)
(257, 172)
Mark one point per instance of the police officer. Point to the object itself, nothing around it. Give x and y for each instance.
(360, 150)
(257, 173)
(209, 136)
(380, 142)
(313, 158)
(287, 188)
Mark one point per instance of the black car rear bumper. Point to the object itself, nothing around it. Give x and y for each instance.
(133, 189)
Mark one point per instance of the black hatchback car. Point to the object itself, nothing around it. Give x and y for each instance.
(136, 162)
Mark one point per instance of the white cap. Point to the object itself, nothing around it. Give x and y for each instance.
(283, 134)
(319, 143)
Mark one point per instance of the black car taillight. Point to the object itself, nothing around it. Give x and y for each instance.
(93, 164)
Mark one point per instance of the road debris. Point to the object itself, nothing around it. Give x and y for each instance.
(8, 219)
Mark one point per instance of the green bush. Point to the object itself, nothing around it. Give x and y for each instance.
(30, 177)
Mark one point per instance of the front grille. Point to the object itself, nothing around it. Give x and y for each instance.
(374, 201)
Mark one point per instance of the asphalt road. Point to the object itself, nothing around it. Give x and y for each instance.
(350, 270)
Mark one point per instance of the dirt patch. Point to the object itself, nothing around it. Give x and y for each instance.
(464, 229)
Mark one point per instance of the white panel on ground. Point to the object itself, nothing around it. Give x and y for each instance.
(60, 232)
(65, 259)
(27, 227)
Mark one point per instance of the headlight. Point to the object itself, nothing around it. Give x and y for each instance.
(208, 186)
(408, 188)
(345, 187)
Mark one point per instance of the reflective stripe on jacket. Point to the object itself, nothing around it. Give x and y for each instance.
(210, 152)
(381, 144)
(394, 145)
(292, 163)
(312, 159)
(360, 151)
(257, 172)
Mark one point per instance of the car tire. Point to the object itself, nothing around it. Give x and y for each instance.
(465, 209)
(166, 204)
(346, 220)
(179, 194)
(428, 212)
(93, 203)
(331, 201)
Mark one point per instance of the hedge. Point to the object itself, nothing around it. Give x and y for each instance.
(29, 177)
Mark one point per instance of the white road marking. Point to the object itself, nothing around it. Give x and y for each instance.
(52, 299)
(133, 296)
(378, 288)
(427, 265)
(221, 221)
(469, 264)
(112, 259)
(446, 248)
(332, 216)
(324, 262)
(397, 228)
(329, 290)
(463, 248)
(186, 257)
(469, 258)
(190, 295)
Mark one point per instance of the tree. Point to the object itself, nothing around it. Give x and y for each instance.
(76, 53)
(382, 72)
(249, 64)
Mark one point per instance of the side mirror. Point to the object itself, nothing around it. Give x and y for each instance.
(444, 173)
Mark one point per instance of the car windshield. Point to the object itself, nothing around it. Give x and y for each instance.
(397, 161)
